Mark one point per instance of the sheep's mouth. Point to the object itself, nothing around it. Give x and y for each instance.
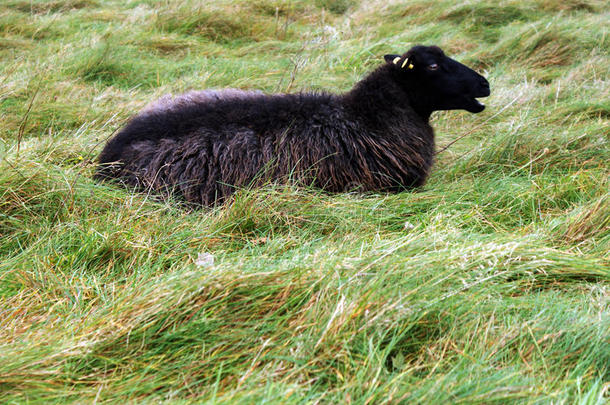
(474, 105)
(479, 104)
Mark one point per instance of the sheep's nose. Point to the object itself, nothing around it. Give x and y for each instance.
(484, 87)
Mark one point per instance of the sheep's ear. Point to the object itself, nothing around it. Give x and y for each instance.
(391, 58)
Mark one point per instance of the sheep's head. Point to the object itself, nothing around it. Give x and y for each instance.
(440, 83)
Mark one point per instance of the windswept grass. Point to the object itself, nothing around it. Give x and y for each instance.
(488, 285)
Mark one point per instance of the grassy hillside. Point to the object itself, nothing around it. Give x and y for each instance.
(490, 284)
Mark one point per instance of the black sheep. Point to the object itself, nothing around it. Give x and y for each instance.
(376, 137)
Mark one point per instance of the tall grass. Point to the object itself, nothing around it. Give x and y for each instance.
(489, 284)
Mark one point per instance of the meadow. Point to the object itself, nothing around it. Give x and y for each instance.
(490, 284)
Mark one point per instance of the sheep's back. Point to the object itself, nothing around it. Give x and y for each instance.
(202, 144)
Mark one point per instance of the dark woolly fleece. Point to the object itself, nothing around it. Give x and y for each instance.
(202, 145)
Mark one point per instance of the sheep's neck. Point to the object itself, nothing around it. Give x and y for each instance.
(377, 99)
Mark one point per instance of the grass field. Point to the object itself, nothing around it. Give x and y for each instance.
(491, 284)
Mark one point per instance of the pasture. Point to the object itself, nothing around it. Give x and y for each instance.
(490, 284)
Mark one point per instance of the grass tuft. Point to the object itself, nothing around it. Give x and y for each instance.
(46, 6)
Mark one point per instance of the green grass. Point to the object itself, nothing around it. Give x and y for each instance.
(491, 284)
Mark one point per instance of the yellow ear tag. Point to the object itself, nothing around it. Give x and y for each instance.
(396, 60)
(410, 66)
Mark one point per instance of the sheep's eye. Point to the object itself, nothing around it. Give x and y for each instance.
(433, 66)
